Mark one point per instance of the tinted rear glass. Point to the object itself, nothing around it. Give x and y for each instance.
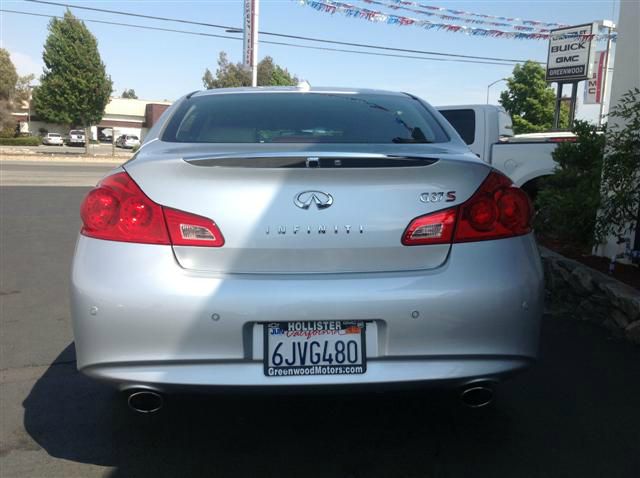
(303, 118)
(76, 131)
(464, 122)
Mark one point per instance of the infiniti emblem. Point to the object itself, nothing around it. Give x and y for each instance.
(304, 199)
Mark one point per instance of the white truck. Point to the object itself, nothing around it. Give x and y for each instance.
(488, 131)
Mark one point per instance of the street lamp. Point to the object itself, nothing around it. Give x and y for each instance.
(491, 84)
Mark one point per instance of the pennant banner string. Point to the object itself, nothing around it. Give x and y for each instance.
(446, 14)
(511, 20)
(349, 10)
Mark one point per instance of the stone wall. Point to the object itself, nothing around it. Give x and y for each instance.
(578, 291)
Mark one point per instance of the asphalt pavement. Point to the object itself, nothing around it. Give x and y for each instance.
(52, 173)
(575, 414)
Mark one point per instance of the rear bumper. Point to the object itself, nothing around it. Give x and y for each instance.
(140, 319)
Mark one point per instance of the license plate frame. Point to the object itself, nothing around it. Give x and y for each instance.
(301, 359)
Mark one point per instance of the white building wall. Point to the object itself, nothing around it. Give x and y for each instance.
(35, 126)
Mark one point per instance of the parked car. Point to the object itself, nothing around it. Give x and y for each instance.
(52, 139)
(287, 237)
(128, 141)
(488, 131)
(76, 138)
(105, 135)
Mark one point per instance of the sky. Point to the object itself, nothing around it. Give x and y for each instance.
(164, 65)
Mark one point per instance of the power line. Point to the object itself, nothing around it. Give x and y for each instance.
(269, 42)
(281, 35)
(105, 22)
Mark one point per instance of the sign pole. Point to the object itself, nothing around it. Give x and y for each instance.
(574, 99)
(556, 113)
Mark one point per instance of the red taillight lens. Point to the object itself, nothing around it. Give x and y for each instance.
(188, 229)
(436, 228)
(118, 210)
(496, 210)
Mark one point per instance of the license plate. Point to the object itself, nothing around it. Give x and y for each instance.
(324, 347)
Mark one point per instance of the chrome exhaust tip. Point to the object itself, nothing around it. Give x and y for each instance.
(477, 395)
(144, 401)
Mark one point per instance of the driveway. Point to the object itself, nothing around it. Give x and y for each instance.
(575, 414)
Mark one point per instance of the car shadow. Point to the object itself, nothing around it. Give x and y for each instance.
(573, 414)
(330, 435)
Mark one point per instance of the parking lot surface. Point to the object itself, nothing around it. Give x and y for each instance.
(575, 414)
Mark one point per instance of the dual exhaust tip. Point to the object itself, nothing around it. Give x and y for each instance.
(144, 401)
(474, 395)
(477, 395)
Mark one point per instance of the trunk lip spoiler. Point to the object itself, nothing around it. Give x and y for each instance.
(310, 160)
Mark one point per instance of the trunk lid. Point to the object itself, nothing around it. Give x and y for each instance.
(280, 214)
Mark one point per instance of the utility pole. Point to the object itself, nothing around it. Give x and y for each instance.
(250, 44)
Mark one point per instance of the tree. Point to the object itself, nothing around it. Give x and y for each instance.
(75, 87)
(8, 76)
(8, 79)
(23, 88)
(530, 101)
(235, 74)
(129, 94)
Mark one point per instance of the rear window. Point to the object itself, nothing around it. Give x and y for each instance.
(464, 122)
(54, 135)
(303, 118)
(76, 131)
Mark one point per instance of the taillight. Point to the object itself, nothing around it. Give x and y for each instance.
(118, 210)
(435, 228)
(495, 211)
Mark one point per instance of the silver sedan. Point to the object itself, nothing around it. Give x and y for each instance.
(285, 237)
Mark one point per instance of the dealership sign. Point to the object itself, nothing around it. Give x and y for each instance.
(569, 56)
(593, 87)
(249, 28)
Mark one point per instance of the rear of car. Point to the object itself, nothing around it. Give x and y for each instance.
(52, 139)
(278, 237)
(76, 138)
(130, 141)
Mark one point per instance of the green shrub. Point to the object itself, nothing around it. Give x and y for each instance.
(568, 201)
(21, 141)
(618, 213)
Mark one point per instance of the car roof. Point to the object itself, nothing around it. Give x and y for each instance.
(295, 89)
